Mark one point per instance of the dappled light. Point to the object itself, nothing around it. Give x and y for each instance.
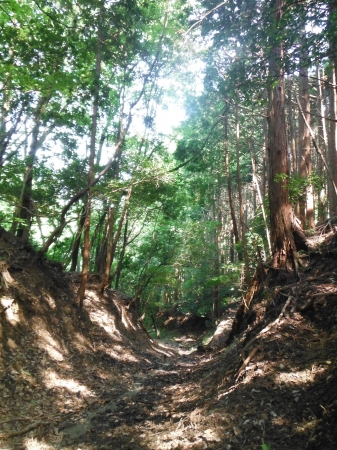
(11, 310)
(92, 377)
(168, 225)
(36, 444)
(298, 377)
(52, 380)
(47, 342)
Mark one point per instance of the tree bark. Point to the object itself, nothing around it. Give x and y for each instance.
(281, 215)
(113, 241)
(332, 143)
(292, 142)
(122, 253)
(25, 213)
(256, 181)
(322, 140)
(305, 164)
(230, 191)
(86, 226)
(242, 213)
(332, 147)
(77, 241)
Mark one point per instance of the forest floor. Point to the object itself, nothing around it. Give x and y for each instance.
(94, 379)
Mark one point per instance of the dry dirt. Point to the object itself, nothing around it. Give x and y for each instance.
(94, 379)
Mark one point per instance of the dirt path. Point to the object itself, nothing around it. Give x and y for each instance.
(94, 379)
(151, 413)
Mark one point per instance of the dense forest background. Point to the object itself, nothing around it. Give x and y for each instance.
(89, 177)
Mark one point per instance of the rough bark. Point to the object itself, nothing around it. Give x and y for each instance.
(281, 215)
(332, 147)
(292, 139)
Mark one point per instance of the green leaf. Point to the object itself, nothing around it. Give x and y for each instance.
(265, 447)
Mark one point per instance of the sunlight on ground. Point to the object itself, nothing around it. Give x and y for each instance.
(50, 301)
(48, 343)
(299, 376)
(119, 353)
(81, 343)
(195, 430)
(107, 322)
(126, 321)
(52, 380)
(34, 444)
(11, 310)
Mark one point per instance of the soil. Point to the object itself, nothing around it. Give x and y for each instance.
(94, 379)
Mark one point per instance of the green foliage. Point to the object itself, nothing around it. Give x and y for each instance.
(179, 225)
(265, 447)
(298, 185)
(281, 178)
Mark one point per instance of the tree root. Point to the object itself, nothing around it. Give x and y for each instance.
(21, 432)
(247, 361)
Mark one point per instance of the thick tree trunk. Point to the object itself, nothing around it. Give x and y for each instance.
(281, 215)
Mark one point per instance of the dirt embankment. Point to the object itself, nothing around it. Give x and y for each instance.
(93, 379)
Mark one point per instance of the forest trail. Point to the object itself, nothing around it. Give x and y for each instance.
(94, 379)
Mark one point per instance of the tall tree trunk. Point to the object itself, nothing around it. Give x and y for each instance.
(122, 253)
(239, 181)
(107, 219)
(217, 254)
(25, 212)
(332, 143)
(5, 108)
(91, 174)
(333, 105)
(230, 190)
(292, 128)
(256, 181)
(77, 241)
(106, 251)
(305, 164)
(265, 162)
(113, 241)
(281, 216)
(322, 139)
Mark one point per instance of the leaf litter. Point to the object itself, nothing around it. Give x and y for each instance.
(94, 379)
